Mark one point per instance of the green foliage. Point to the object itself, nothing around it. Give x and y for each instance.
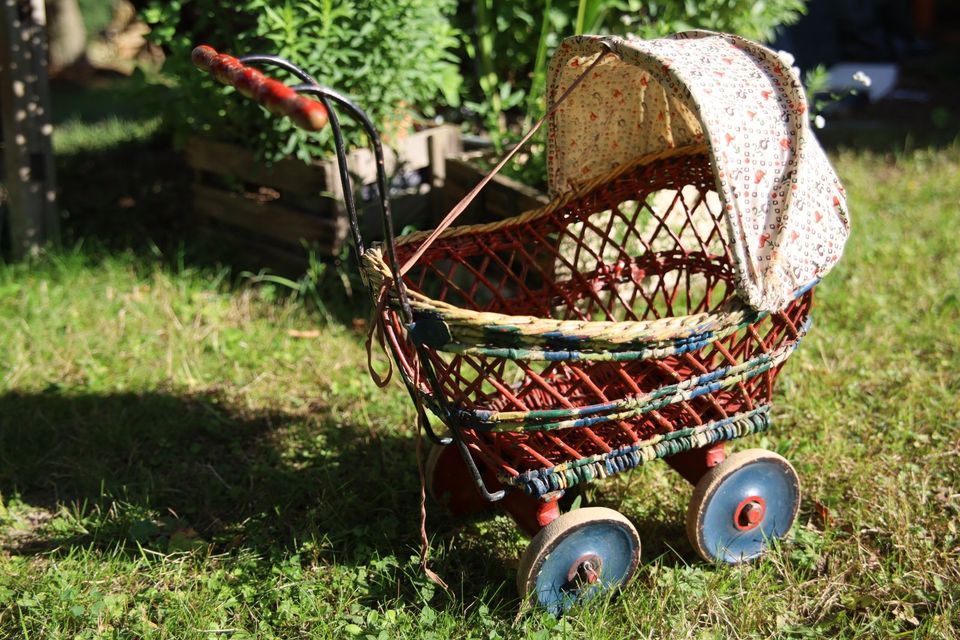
(393, 56)
(511, 65)
(75, 135)
(511, 62)
(748, 18)
(97, 15)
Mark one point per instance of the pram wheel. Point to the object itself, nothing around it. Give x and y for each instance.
(742, 504)
(449, 482)
(576, 557)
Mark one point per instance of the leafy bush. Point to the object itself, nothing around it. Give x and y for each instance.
(511, 64)
(395, 57)
(748, 18)
(508, 93)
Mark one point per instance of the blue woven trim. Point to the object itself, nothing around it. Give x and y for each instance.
(540, 482)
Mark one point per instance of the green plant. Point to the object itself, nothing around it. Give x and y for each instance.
(97, 15)
(395, 57)
(511, 66)
(748, 18)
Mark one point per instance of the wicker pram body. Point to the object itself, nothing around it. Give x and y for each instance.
(644, 313)
(599, 332)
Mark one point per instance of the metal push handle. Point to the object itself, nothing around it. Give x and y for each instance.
(277, 97)
(311, 115)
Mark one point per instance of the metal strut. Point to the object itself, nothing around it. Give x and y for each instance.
(327, 95)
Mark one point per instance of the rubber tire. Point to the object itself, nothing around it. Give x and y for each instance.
(709, 484)
(543, 544)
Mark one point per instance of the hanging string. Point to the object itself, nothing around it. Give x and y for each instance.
(376, 329)
(471, 196)
(424, 541)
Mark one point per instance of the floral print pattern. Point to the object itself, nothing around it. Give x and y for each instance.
(786, 212)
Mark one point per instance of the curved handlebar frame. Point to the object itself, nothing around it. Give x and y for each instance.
(326, 95)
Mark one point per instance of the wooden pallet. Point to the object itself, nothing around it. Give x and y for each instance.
(283, 211)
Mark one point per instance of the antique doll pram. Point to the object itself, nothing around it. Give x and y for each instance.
(643, 313)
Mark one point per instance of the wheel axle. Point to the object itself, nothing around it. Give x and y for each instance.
(585, 570)
(749, 513)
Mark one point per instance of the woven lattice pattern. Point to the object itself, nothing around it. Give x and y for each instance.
(647, 244)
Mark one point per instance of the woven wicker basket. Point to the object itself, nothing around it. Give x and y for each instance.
(591, 335)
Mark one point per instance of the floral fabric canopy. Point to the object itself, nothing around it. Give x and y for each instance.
(786, 212)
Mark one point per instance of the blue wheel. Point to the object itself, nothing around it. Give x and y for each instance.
(578, 556)
(741, 505)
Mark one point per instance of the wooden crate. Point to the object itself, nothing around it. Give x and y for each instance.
(501, 198)
(275, 213)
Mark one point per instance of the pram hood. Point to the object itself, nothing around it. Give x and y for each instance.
(786, 212)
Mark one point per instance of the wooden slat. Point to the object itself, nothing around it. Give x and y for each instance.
(253, 255)
(415, 152)
(409, 209)
(501, 198)
(277, 223)
(237, 162)
(272, 220)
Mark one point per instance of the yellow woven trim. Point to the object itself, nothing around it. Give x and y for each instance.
(463, 321)
(557, 203)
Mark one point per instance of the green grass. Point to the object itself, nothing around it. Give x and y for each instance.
(174, 463)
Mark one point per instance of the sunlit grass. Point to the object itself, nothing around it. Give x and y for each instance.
(176, 463)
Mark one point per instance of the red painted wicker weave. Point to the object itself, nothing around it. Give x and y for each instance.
(645, 245)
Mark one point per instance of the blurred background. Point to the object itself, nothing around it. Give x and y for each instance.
(141, 138)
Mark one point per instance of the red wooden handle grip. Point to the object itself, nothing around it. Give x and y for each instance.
(274, 95)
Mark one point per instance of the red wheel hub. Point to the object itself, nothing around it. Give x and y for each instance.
(585, 570)
(749, 513)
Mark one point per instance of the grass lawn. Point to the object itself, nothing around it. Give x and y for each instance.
(178, 461)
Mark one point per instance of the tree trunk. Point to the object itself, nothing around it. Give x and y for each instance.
(31, 210)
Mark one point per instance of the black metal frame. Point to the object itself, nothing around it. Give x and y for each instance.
(325, 95)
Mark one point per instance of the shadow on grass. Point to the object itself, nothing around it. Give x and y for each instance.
(166, 472)
(106, 97)
(122, 186)
(213, 468)
(131, 196)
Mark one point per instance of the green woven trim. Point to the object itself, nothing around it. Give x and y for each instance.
(471, 343)
(567, 418)
(471, 327)
(536, 334)
(540, 482)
